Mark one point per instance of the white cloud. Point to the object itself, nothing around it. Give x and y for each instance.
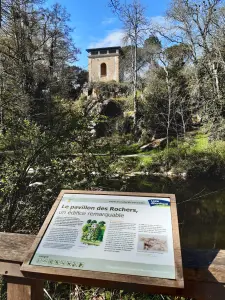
(108, 21)
(114, 38)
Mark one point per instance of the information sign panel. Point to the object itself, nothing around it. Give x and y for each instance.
(109, 236)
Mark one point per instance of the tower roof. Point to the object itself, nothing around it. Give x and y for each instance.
(104, 48)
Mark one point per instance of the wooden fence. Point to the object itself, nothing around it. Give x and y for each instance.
(204, 271)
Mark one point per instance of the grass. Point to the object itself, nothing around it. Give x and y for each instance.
(87, 294)
(145, 161)
(120, 99)
(194, 155)
(201, 142)
(128, 149)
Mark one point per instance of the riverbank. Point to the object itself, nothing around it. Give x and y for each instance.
(191, 157)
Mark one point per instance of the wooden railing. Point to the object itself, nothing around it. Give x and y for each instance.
(204, 271)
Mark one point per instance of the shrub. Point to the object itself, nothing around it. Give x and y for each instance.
(128, 149)
(82, 98)
(112, 89)
(218, 130)
(198, 160)
(124, 165)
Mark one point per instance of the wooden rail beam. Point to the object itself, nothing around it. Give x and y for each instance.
(204, 270)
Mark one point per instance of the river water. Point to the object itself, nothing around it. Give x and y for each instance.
(200, 204)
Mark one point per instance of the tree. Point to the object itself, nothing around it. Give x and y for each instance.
(126, 67)
(152, 48)
(37, 47)
(135, 26)
(167, 107)
(39, 127)
(177, 57)
(72, 80)
(197, 23)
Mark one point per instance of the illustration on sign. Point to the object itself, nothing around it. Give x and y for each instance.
(110, 233)
(93, 232)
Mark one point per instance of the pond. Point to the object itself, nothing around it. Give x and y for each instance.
(200, 203)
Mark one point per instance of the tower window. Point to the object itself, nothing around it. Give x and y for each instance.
(103, 70)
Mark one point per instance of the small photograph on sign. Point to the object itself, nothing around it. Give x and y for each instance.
(152, 243)
(93, 232)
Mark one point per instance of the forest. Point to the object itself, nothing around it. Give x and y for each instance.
(164, 120)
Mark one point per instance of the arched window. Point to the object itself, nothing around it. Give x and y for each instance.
(103, 70)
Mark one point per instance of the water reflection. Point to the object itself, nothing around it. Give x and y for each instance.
(201, 207)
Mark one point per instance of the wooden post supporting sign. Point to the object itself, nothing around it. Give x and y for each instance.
(18, 292)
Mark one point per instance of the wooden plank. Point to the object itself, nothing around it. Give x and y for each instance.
(176, 241)
(27, 290)
(13, 246)
(10, 269)
(136, 194)
(102, 278)
(18, 292)
(20, 280)
(37, 290)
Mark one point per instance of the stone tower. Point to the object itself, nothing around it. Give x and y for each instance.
(103, 64)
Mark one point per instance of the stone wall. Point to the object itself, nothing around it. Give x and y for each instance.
(94, 67)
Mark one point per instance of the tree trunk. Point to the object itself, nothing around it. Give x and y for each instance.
(215, 76)
(169, 107)
(1, 95)
(135, 88)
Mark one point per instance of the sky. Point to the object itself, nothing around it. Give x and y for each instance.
(96, 26)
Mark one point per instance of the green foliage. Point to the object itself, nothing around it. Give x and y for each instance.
(40, 164)
(217, 131)
(201, 142)
(178, 54)
(128, 149)
(112, 89)
(125, 165)
(82, 98)
(200, 159)
(153, 42)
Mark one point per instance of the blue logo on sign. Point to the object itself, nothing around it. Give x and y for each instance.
(158, 202)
